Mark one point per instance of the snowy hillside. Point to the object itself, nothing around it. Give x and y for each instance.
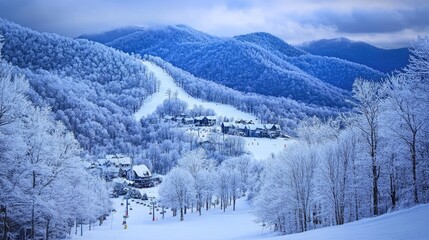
(258, 63)
(384, 60)
(213, 224)
(407, 224)
(167, 82)
(265, 148)
(92, 89)
(410, 224)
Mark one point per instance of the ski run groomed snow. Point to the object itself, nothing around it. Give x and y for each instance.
(410, 224)
(167, 82)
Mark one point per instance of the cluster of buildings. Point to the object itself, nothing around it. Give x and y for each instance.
(245, 128)
(119, 165)
(249, 129)
(201, 121)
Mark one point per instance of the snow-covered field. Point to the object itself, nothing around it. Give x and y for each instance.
(409, 224)
(264, 148)
(260, 148)
(167, 82)
(213, 224)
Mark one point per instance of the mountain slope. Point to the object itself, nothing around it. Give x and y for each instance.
(259, 63)
(109, 36)
(268, 109)
(410, 224)
(93, 89)
(337, 72)
(384, 60)
(271, 43)
(167, 83)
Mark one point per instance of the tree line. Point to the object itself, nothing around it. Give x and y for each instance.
(198, 182)
(366, 163)
(45, 188)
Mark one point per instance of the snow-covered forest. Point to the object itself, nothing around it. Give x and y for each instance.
(366, 163)
(44, 186)
(65, 104)
(285, 111)
(273, 67)
(92, 89)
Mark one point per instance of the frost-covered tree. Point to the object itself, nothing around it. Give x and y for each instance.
(204, 189)
(288, 190)
(92, 89)
(195, 161)
(410, 119)
(38, 160)
(177, 190)
(368, 105)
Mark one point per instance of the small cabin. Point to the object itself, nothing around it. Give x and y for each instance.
(225, 127)
(142, 177)
(187, 121)
(205, 121)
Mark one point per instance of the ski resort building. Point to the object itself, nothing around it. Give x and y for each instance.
(251, 130)
(141, 176)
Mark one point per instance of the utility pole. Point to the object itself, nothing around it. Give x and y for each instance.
(153, 202)
(163, 212)
(126, 208)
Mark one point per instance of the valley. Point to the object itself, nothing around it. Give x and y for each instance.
(237, 137)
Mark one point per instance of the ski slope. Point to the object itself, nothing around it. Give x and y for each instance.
(167, 82)
(266, 148)
(409, 224)
(213, 224)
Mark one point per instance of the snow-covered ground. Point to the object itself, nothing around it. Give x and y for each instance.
(409, 224)
(167, 82)
(259, 148)
(213, 224)
(264, 148)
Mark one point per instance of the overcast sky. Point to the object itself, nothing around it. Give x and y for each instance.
(384, 23)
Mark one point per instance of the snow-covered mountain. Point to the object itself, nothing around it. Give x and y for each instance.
(96, 90)
(92, 88)
(167, 83)
(384, 60)
(257, 62)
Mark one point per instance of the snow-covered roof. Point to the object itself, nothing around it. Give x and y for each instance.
(199, 118)
(258, 126)
(119, 159)
(122, 180)
(228, 124)
(251, 127)
(123, 161)
(102, 161)
(269, 126)
(142, 170)
(211, 117)
(188, 119)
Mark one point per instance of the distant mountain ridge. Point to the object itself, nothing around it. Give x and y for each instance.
(384, 60)
(257, 62)
(109, 36)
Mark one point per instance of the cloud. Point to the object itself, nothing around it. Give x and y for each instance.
(372, 20)
(294, 21)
